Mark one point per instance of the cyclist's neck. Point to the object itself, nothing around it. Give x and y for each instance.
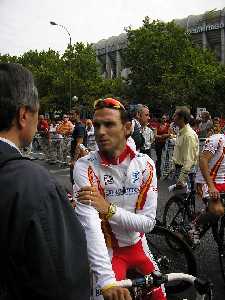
(117, 157)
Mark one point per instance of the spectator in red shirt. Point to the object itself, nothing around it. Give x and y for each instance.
(43, 126)
(43, 130)
(162, 133)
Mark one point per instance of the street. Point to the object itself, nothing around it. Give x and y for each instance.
(206, 255)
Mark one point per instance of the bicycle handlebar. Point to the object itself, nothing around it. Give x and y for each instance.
(156, 279)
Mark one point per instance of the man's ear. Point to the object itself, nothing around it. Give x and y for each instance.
(22, 117)
(128, 128)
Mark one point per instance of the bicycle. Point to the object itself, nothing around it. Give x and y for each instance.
(180, 213)
(142, 286)
(167, 259)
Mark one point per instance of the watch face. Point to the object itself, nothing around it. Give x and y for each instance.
(113, 209)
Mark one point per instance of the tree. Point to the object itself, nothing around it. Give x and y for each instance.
(168, 70)
(86, 78)
(52, 72)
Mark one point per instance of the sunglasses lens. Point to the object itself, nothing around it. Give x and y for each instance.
(110, 102)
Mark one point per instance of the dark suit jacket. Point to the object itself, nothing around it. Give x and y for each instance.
(42, 245)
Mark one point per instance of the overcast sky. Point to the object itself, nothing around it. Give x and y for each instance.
(24, 24)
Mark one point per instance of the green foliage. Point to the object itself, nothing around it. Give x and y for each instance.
(52, 76)
(168, 70)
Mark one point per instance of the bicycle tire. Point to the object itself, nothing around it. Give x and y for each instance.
(179, 202)
(185, 256)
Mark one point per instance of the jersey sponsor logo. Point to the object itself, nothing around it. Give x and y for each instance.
(135, 176)
(92, 159)
(108, 179)
(140, 155)
(121, 191)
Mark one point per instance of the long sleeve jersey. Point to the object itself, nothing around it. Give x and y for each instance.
(132, 185)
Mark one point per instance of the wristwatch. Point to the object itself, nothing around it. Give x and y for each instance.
(111, 211)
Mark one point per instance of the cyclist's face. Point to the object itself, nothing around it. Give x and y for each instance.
(110, 132)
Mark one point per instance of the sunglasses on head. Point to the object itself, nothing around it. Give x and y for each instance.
(108, 102)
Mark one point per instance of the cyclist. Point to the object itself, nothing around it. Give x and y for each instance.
(210, 177)
(116, 190)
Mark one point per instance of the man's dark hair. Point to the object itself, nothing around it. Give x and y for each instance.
(76, 111)
(184, 113)
(124, 115)
(17, 89)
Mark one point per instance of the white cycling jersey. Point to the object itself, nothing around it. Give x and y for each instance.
(131, 184)
(216, 145)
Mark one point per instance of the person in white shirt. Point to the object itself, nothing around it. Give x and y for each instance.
(146, 131)
(90, 131)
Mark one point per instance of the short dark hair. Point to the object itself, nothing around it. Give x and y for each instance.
(76, 111)
(184, 113)
(17, 89)
(124, 115)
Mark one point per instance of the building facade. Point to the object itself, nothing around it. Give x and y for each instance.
(207, 31)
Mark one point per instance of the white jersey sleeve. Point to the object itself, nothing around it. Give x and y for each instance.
(98, 254)
(143, 220)
(211, 144)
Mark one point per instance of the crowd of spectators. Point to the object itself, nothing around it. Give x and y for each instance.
(58, 138)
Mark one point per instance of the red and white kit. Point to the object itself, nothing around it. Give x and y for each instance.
(215, 144)
(119, 244)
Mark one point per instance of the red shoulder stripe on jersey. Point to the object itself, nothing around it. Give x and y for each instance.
(91, 175)
(216, 167)
(110, 239)
(144, 188)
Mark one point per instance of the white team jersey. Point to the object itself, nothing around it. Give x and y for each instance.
(216, 145)
(131, 143)
(132, 185)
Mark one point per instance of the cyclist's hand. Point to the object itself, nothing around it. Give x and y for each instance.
(214, 193)
(116, 293)
(89, 195)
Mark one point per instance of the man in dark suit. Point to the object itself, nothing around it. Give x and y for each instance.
(42, 245)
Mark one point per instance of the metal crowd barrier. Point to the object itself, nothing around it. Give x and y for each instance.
(167, 155)
(56, 149)
(53, 149)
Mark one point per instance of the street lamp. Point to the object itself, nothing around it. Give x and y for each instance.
(70, 66)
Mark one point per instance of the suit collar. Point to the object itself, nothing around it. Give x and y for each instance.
(8, 146)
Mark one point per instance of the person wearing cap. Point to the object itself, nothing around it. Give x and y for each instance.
(116, 199)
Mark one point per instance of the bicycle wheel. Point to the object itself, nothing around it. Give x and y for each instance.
(175, 218)
(167, 259)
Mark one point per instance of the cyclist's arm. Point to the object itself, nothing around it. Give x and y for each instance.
(204, 160)
(209, 149)
(143, 219)
(88, 216)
